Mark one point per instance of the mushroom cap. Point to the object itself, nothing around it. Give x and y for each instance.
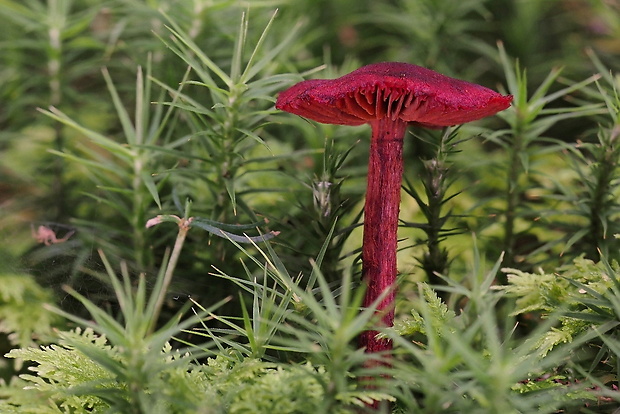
(393, 90)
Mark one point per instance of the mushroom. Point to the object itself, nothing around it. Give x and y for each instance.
(389, 96)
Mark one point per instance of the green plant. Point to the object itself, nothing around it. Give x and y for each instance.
(124, 178)
(583, 292)
(436, 178)
(310, 322)
(528, 120)
(209, 148)
(592, 196)
(128, 364)
(114, 366)
(22, 315)
(444, 31)
(475, 361)
(585, 296)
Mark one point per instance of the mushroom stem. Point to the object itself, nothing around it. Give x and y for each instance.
(385, 170)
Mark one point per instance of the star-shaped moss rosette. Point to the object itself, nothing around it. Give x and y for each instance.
(389, 96)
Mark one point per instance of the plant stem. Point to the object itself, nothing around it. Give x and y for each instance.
(57, 20)
(513, 194)
(604, 170)
(184, 225)
(435, 261)
(385, 171)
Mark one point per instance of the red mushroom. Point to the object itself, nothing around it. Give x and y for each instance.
(389, 96)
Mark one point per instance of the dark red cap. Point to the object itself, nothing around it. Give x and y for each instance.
(392, 90)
